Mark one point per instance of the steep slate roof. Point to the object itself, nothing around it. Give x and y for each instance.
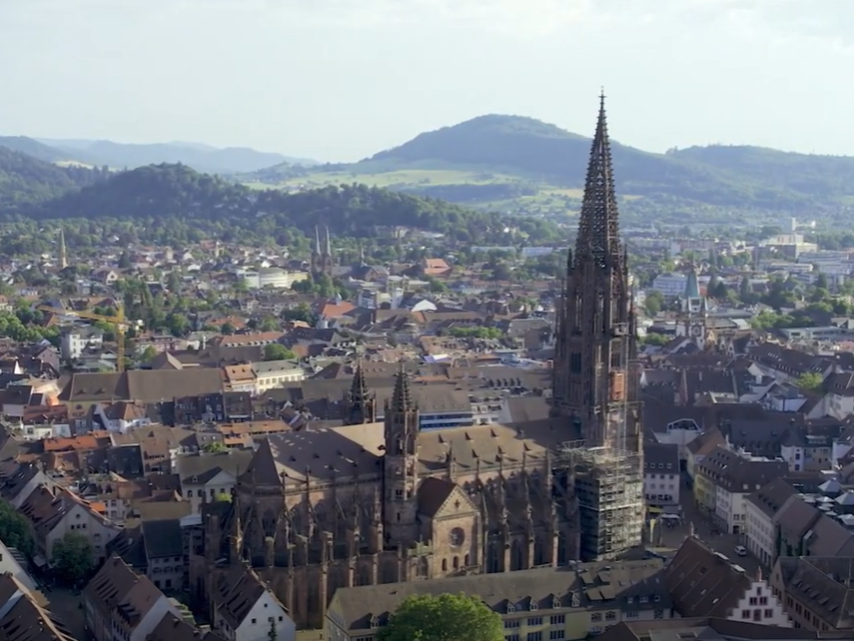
(204, 466)
(235, 594)
(172, 628)
(27, 620)
(163, 538)
(144, 386)
(703, 582)
(119, 594)
(820, 584)
(740, 474)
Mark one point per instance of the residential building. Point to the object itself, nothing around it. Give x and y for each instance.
(730, 477)
(18, 487)
(24, 618)
(705, 583)
(271, 374)
(173, 628)
(14, 563)
(711, 629)
(817, 592)
(55, 511)
(120, 605)
(670, 285)
(205, 476)
(239, 378)
(760, 528)
(245, 610)
(661, 477)
(539, 604)
(73, 342)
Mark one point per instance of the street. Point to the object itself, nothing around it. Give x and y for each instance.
(673, 537)
(68, 608)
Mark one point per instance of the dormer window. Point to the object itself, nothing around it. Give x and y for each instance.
(510, 608)
(534, 606)
(555, 603)
(375, 622)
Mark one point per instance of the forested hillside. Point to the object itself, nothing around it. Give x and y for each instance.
(25, 181)
(183, 201)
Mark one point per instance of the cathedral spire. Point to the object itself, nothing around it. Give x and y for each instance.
(317, 240)
(359, 389)
(598, 231)
(401, 400)
(327, 245)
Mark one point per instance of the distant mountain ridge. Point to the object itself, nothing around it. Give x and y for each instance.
(230, 160)
(527, 157)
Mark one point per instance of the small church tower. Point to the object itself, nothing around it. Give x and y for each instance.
(63, 252)
(321, 255)
(693, 317)
(400, 463)
(361, 403)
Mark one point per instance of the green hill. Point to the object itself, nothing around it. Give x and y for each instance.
(200, 157)
(523, 165)
(36, 149)
(25, 181)
(179, 201)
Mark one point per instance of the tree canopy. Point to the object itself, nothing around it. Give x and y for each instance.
(277, 352)
(15, 529)
(446, 617)
(72, 558)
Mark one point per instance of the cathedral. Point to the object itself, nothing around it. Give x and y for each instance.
(378, 501)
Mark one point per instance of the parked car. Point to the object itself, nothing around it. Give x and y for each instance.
(741, 550)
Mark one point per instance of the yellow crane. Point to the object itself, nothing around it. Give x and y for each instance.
(118, 321)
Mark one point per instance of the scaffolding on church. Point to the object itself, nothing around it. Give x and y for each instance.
(607, 487)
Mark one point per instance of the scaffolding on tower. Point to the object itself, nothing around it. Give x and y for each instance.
(606, 483)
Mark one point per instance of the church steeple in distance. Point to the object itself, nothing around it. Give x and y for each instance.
(362, 403)
(594, 384)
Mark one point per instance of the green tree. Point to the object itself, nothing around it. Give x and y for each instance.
(446, 617)
(810, 381)
(124, 260)
(226, 329)
(654, 302)
(277, 352)
(272, 633)
(71, 559)
(213, 448)
(148, 354)
(15, 529)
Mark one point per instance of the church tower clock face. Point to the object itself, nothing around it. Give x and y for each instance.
(696, 331)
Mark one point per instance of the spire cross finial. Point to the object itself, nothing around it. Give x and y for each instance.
(602, 97)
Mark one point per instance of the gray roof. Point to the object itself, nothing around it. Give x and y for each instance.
(591, 585)
(200, 468)
(145, 386)
(740, 474)
(163, 538)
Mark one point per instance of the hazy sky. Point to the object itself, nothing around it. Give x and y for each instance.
(342, 79)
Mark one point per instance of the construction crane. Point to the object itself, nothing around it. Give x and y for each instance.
(118, 321)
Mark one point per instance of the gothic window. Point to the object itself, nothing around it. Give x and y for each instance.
(423, 570)
(516, 554)
(616, 361)
(268, 522)
(466, 560)
(444, 565)
(575, 362)
(493, 560)
(398, 445)
(456, 563)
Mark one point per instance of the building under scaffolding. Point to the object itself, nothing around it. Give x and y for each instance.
(607, 487)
